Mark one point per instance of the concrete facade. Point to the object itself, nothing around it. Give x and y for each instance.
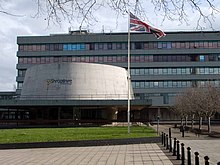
(77, 81)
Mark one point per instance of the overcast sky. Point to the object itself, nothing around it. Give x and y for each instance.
(26, 25)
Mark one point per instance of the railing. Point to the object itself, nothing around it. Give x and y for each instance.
(178, 150)
(71, 97)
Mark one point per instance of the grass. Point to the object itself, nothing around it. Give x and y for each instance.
(72, 134)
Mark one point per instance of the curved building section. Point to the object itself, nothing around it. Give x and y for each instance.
(84, 81)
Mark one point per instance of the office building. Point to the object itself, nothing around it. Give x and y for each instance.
(160, 68)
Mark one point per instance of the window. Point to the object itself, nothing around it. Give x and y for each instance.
(169, 45)
(82, 46)
(72, 47)
(20, 60)
(202, 58)
(100, 46)
(21, 72)
(156, 84)
(159, 45)
(165, 98)
(164, 45)
(51, 47)
(20, 85)
(118, 46)
(132, 71)
(146, 45)
(138, 45)
(119, 58)
(92, 46)
(109, 46)
(21, 47)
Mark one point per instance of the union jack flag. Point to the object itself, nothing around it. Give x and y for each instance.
(137, 25)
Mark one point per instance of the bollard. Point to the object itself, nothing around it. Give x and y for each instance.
(218, 163)
(182, 153)
(174, 147)
(178, 150)
(167, 142)
(183, 132)
(170, 145)
(170, 133)
(206, 160)
(170, 137)
(196, 158)
(162, 138)
(189, 156)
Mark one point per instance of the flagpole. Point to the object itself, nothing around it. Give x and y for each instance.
(129, 77)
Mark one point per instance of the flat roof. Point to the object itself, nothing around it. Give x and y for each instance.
(77, 103)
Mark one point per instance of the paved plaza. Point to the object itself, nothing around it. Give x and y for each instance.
(210, 148)
(205, 145)
(132, 154)
(135, 154)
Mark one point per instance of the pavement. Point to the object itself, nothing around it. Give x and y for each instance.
(204, 144)
(131, 154)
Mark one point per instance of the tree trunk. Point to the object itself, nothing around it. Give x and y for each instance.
(200, 123)
(192, 121)
(186, 120)
(209, 125)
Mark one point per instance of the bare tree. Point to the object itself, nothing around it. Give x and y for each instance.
(200, 101)
(210, 103)
(83, 10)
(181, 107)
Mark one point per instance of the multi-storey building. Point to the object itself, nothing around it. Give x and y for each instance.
(160, 69)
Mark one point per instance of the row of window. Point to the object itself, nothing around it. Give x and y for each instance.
(120, 58)
(161, 71)
(164, 84)
(175, 71)
(173, 84)
(120, 46)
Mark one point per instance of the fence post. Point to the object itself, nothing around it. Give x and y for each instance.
(189, 155)
(206, 160)
(182, 153)
(162, 138)
(196, 158)
(167, 141)
(178, 150)
(174, 147)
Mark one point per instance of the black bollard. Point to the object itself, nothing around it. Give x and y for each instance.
(189, 155)
(218, 163)
(170, 133)
(170, 145)
(170, 137)
(162, 138)
(174, 147)
(206, 160)
(196, 158)
(178, 150)
(167, 142)
(183, 129)
(182, 153)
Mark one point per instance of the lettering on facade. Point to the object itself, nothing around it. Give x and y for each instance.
(59, 81)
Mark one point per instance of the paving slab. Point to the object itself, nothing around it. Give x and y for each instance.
(204, 144)
(132, 154)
